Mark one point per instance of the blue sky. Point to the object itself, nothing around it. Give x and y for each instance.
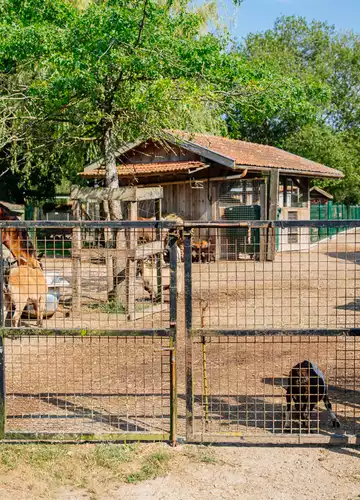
(259, 15)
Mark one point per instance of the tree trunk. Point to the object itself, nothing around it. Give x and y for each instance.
(111, 174)
(118, 264)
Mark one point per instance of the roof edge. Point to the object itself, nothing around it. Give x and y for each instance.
(210, 154)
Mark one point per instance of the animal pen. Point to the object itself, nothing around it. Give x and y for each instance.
(210, 365)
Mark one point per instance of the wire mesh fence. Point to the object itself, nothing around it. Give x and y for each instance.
(260, 298)
(305, 285)
(96, 387)
(88, 331)
(120, 281)
(267, 302)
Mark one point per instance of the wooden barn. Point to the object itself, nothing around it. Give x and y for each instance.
(206, 177)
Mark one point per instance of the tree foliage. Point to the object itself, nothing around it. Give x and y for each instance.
(323, 121)
(81, 78)
(76, 83)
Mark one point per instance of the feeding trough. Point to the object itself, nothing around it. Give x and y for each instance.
(56, 288)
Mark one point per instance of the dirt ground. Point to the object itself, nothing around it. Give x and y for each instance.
(116, 385)
(184, 473)
(256, 474)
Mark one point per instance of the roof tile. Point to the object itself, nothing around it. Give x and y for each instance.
(256, 155)
(133, 169)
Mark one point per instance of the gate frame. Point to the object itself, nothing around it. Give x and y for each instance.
(335, 439)
(170, 333)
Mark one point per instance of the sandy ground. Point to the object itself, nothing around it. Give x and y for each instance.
(255, 474)
(221, 473)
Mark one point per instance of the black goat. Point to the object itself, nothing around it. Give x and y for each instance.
(307, 387)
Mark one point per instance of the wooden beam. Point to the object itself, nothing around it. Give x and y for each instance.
(130, 193)
(273, 206)
(152, 248)
(138, 253)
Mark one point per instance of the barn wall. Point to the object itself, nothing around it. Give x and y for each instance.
(187, 202)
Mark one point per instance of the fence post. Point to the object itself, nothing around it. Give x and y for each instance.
(173, 319)
(273, 206)
(2, 361)
(158, 257)
(76, 258)
(2, 319)
(189, 340)
(2, 388)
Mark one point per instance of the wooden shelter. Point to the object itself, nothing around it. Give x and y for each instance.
(206, 177)
(319, 196)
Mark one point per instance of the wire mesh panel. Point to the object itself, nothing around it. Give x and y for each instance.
(89, 331)
(253, 320)
(305, 285)
(240, 385)
(98, 386)
(123, 283)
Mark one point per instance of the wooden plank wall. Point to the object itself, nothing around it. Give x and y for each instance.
(186, 202)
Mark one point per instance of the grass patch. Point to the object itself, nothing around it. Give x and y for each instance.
(201, 454)
(96, 468)
(110, 307)
(36, 456)
(110, 456)
(153, 466)
(207, 457)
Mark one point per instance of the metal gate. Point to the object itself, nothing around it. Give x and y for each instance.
(249, 323)
(94, 371)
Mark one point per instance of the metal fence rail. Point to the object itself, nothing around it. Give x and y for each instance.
(102, 364)
(250, 320)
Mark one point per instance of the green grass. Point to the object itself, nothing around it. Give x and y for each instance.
(110, 456)
(44, 468)
(110, 307)
(153, 466)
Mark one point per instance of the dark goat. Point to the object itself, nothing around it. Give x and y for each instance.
(307, 387)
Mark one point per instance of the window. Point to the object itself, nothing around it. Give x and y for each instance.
(293, 192)
(293, 232)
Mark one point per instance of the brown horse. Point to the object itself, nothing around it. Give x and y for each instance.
(26, 282)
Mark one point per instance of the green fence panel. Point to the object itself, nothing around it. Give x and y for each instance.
(331, 211)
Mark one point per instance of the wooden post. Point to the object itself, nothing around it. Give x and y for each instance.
(263, 216)
(273, 206)
(131, 264)
(76, 259)
(214, 216)
(158, 257)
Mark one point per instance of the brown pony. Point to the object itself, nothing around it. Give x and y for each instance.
(26, 282)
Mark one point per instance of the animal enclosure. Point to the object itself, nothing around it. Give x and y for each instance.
(212, 364)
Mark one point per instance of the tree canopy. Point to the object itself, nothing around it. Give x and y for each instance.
(79, 79)
(76, 83)
(324, 122)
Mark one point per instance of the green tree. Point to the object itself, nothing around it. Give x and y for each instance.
(76, 82)
(318, 51)
(319, 143)
(321, 119)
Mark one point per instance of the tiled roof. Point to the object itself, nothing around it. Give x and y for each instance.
(133, 169)
(256, 155)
